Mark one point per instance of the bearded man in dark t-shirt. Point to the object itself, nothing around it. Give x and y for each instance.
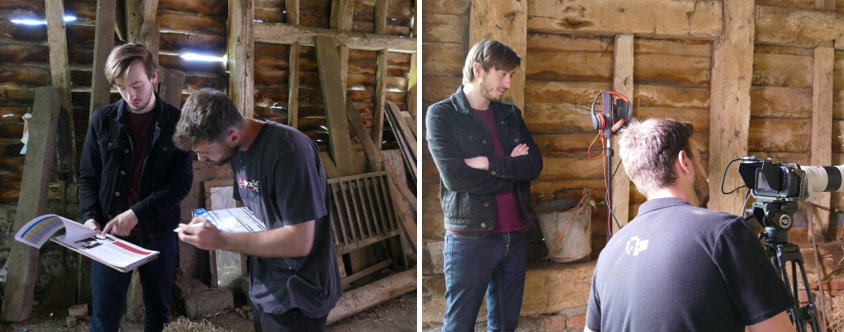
(678, 266)
(294, 278)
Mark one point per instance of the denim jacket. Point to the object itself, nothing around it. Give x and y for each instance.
(105, 170)
(467, 195)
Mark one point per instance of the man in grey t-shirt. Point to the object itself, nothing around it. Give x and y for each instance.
(294, 278)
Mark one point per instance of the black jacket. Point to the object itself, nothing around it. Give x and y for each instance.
(467, 195)
(105, 170)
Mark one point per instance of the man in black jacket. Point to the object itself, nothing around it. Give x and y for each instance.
(131, 180)
(486, 158)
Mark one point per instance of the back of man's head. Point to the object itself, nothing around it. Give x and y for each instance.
(207, 116)
(122, 56)
(648, 150)
(489, 53)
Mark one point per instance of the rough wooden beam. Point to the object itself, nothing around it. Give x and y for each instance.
(825, 5)
(407, 219)
(23, 259)
(372, 153)
(170, 87)
(282, 33)
(120, 21)
(686, 19)
(60, 74)
(822, 77)
(506, 22)
(335, 110)
(134, 20)
(149, 32)
(241, 56)
(103, 43)
(370, 295)
(342, 16)
(801, 28)
(380, 94)
(623, 84)
(293, 86)
(729, 113)
(381, 16)
(412, 95)
(292, 7)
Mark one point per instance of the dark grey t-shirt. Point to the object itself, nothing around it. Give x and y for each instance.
(281, 179)
(676, 267)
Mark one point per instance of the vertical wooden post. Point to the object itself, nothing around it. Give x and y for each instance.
(335, 110)
(342, 16)
(293, 68)
(103, 43)
(380, 94)
(729, 113)
(821, 155)
(380, 75)
(506, 22)
(23, 259)
(241, 56)
(60, 74)
(623, 84)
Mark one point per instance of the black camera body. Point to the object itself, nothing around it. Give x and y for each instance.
(778, 186)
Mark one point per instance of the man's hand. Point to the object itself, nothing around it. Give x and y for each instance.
(122, 224)
(207, 237)
(480, 162)
(519, 150)
(92, 224)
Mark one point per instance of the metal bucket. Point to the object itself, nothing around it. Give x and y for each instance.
(566, 243)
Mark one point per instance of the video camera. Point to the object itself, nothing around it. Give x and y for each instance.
(778, 186)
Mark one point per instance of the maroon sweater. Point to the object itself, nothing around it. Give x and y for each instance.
(507, 216)
(140, 128)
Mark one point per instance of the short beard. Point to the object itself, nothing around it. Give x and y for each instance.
(228, 156)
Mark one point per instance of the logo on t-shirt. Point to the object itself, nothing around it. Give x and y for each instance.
(636, 246)
(244, 183)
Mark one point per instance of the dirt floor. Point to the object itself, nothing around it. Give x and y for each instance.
(398, 314)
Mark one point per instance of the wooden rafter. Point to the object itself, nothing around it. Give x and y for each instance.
(282, 33)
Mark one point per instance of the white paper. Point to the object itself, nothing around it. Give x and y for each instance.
(108, 249)
(39, 230)
(237, 220)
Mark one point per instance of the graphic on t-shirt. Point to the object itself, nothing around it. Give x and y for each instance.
(636, 246)
(244, 183)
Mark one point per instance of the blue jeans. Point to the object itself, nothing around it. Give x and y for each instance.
(109, 287)
(491, 263)
(291, 321)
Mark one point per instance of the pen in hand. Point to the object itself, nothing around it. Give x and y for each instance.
(197, 225)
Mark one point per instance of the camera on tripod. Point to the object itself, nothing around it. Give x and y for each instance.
(778, 186)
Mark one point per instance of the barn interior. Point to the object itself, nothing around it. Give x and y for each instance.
(341, 71)
(761, 78)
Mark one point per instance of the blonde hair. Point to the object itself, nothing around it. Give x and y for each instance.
(121, 57)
